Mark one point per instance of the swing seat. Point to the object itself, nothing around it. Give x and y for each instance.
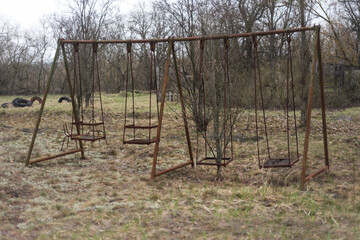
(90, 138)
(145, 141)
(140, 141)
(210, 161)
(81, 123)
(279, 162)
(132, 126)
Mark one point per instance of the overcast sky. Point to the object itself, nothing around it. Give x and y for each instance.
(27, 13)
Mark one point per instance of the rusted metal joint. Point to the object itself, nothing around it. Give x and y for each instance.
(152, 45)
(226, 42)
(171, 41)
(76, 47)
(95, 47)
(288, 36)
(255, 43)
(61, 41)
(202, 44)
(128, 46)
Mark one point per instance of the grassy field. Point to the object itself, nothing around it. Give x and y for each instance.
(109, 195)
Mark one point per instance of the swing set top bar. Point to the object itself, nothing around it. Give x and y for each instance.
(183, 39)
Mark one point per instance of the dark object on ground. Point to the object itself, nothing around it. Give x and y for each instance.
(4, 126)
(30, 130)
(7, 105)
(64, 98)
(20, 102)
(36, 98)
(242, 138)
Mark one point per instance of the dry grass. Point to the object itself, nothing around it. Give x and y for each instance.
(109, 195)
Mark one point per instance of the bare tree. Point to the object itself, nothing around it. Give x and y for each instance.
(86, 20)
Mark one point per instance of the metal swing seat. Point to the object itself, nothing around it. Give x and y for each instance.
(91, 130)
(133, 124)
(270, 161)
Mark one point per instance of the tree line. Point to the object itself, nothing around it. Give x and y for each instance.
(25, 57)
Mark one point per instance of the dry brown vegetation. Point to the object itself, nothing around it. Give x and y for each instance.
(109, 195)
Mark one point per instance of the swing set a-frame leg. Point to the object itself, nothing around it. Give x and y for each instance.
(316, 57)
(37, 124)
(154, 174)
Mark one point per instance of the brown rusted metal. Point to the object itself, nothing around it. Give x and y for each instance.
(271, 162)
(100, 97)
(309, 108)
(182, 104)
(191, 162)
(90, 138)
(140, 141)
(55, 156)
(73, 102)
(322, 97)
(172, 168)
(158, 132)
(279, 163)
(311, 176)
(133, 125)
(92, 124)
(37, 124)
(211, 161)
(257, 68)
(171, 48)
(316, 57)
(293, 97)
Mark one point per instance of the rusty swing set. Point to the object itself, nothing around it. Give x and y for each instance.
(268, 162)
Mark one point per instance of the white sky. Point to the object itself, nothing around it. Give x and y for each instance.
(27, 13)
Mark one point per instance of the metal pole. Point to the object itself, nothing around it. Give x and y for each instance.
(321, 83)
(77, 124)
(182, 39)
(52, 70)
(167, 65)
(309, 108)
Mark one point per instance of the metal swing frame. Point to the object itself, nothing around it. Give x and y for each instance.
(28, 160)
(154, 172)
